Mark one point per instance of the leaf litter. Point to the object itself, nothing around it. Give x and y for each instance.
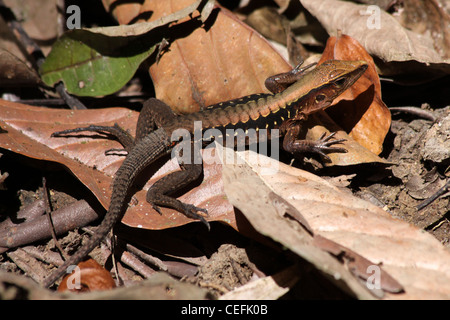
(349, 236)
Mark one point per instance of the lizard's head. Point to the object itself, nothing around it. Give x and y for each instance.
(327, 81)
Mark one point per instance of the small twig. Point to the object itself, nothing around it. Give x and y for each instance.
(439, 193)
(162, 47)
(152, 260)
(425, 114)
(48, 210)
(71, 101)
(79, 213)
(47, 256)
(27, 264)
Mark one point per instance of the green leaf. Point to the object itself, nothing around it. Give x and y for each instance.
(100, 61)
(92, 64)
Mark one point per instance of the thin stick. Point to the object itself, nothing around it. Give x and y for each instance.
(48, 211)
(425, 114)
(440, 192)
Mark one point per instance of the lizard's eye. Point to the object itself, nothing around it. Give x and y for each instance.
(340, 82)
(320, 97)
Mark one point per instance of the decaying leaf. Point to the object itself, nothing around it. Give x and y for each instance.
(415, 259)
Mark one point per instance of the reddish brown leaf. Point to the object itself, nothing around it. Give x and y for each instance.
(223, 60)
(89, 276)
(360, 110)
(28, 131)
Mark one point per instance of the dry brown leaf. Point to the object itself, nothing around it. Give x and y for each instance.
(320, 123)
(411, 256)
(85, 158)
(223, 60)
(267, 217)
(123, 12)
(360, 111)
(143, 27)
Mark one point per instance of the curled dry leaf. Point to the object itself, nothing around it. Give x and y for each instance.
(360, 111)
(376, 30)
(87, 276)
(262, 209)
(414, 258)
(84, 156)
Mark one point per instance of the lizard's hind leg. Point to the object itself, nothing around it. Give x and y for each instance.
(159, 192)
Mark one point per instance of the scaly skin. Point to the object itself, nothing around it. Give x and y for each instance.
(311, 92)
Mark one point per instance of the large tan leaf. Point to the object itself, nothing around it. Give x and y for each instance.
(27, 131)
(206, 64)
(411, 256)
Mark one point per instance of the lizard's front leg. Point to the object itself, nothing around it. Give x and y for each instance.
(292, 144)
(281, 81)
(153, 115)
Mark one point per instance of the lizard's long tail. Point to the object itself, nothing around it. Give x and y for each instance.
(147, 150)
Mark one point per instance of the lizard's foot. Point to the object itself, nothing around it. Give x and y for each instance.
(189, 211)
(323, 144)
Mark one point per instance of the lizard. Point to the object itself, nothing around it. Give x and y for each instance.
(294, 95)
